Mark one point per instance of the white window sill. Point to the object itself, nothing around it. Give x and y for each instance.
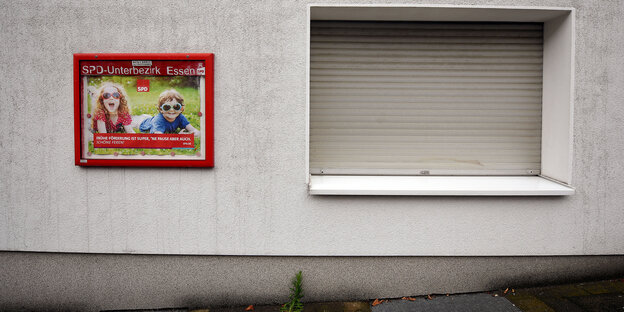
(437, 185)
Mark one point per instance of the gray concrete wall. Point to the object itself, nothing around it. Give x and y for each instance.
(92, 282)
(255, 200)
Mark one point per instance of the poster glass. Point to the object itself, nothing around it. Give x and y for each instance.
(144, 109)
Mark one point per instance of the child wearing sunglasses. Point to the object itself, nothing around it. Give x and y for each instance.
(111, 113)
(170, 107)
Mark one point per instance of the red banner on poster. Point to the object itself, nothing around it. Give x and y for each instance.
(143, 140)
(142, 67)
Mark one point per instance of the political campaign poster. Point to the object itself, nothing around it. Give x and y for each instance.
(144, 110)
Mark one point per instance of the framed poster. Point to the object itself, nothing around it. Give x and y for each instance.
(144, 110)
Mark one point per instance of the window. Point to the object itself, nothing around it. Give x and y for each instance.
(440, 101)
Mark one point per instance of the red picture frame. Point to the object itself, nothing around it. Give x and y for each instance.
(108, 130)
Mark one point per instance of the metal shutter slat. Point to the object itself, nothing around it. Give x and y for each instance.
(393, 97)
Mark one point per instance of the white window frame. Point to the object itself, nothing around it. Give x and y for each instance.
(557, 105)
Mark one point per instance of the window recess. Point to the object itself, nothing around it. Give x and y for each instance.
(404, 95)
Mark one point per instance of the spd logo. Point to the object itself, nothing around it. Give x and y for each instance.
(142, 85)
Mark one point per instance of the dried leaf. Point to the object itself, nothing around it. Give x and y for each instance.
(249, 308)
(377, 302)
(409, 298)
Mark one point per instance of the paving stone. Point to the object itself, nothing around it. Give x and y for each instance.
(531, 304)
(357, 306)
(612, 286)
(561, 304)
(601, 302)
(595, 288)
(519, 295)
(617, 285)
(566, 291)
(456, 303)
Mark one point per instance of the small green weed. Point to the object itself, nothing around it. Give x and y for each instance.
(296, 293)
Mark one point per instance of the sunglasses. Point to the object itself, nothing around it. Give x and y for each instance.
(107, 95)
(167, 107)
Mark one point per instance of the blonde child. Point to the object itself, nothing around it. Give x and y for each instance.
(111, 112)
(170, 108)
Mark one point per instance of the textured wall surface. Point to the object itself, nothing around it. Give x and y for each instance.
(255, 200)
(94, 282)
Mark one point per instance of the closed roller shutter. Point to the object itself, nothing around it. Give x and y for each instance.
(425, 98)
